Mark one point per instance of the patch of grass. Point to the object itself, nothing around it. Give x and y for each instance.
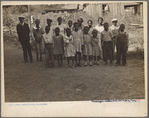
(139, 54)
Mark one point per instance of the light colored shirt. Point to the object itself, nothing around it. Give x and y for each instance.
(113, 27)
(90, 31)
(48, 38)
(22, 24)
(106, 35)
(62, 28)
(99, 28)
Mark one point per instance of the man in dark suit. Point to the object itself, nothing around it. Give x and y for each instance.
(23, 34)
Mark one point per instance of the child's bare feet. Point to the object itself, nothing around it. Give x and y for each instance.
(85, 64)
(98, 63)
(90, 63)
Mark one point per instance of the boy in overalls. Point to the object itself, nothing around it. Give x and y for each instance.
(122, 45)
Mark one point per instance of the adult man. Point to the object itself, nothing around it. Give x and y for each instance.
(23, 34)
(114, 28)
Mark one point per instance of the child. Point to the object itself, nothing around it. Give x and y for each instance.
(38, 35)
(96, 48)
(87, 50)
(100, 28)
(58, 45)
(69, 47)
(122, 45)
(48, 46)
(106, 41)
(70, 25)
(49, 21)
(80, 21)
(78, 43)
(90, 23)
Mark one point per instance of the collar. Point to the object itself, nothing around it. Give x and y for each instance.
(100, 25)
(22, 24)
(36, 27)
(122, 32)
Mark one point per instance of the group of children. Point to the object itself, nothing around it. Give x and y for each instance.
(75, 41)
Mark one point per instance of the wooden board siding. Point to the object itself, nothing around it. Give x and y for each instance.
(116, 10)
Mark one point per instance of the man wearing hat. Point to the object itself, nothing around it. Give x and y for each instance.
(114, 28)
(23, 34)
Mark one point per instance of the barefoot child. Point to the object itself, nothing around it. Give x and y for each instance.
(96, 48)
(69, 47)
(78, 43)
(87, 50)
(122, 45)
(107, 43)
(47, 37)
(38, 35)
(58, 46)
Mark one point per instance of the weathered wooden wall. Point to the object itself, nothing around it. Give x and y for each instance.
(115, 10)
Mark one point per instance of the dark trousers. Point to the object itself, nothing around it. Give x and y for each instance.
(121, 51)
(49, 53)
(108, 51)
(26, 50)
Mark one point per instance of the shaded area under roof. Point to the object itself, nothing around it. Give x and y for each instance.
(61, 7)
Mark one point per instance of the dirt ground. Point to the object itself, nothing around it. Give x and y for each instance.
(32, 82)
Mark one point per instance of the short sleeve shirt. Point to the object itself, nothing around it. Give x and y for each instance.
(106, 35)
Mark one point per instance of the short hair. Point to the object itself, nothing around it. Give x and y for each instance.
(47, 28)
(75, 23)
(100, 18)
(90, 21)
(86, 27)
(59, 18)
(70, 21)
(80, 19)
(37, 20)
(106, 23)
(94, 31)
(67, 30)
(122, 25)
(57, 28)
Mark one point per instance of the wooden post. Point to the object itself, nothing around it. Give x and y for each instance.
(29, 16)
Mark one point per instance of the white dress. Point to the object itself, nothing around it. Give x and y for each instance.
(69, 46)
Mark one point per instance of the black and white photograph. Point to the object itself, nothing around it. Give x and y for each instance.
(74, 52)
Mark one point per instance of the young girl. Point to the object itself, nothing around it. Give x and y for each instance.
(100, 28)
(70, 26)
(87, 50)
(38, 35)
(78, 43)
(96, 48)
(69, 47)
(58, 46)
(90, 23)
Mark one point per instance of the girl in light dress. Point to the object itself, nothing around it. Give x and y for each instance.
(100, 28)
(78, 43)
(69, 47)
(87, 50)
